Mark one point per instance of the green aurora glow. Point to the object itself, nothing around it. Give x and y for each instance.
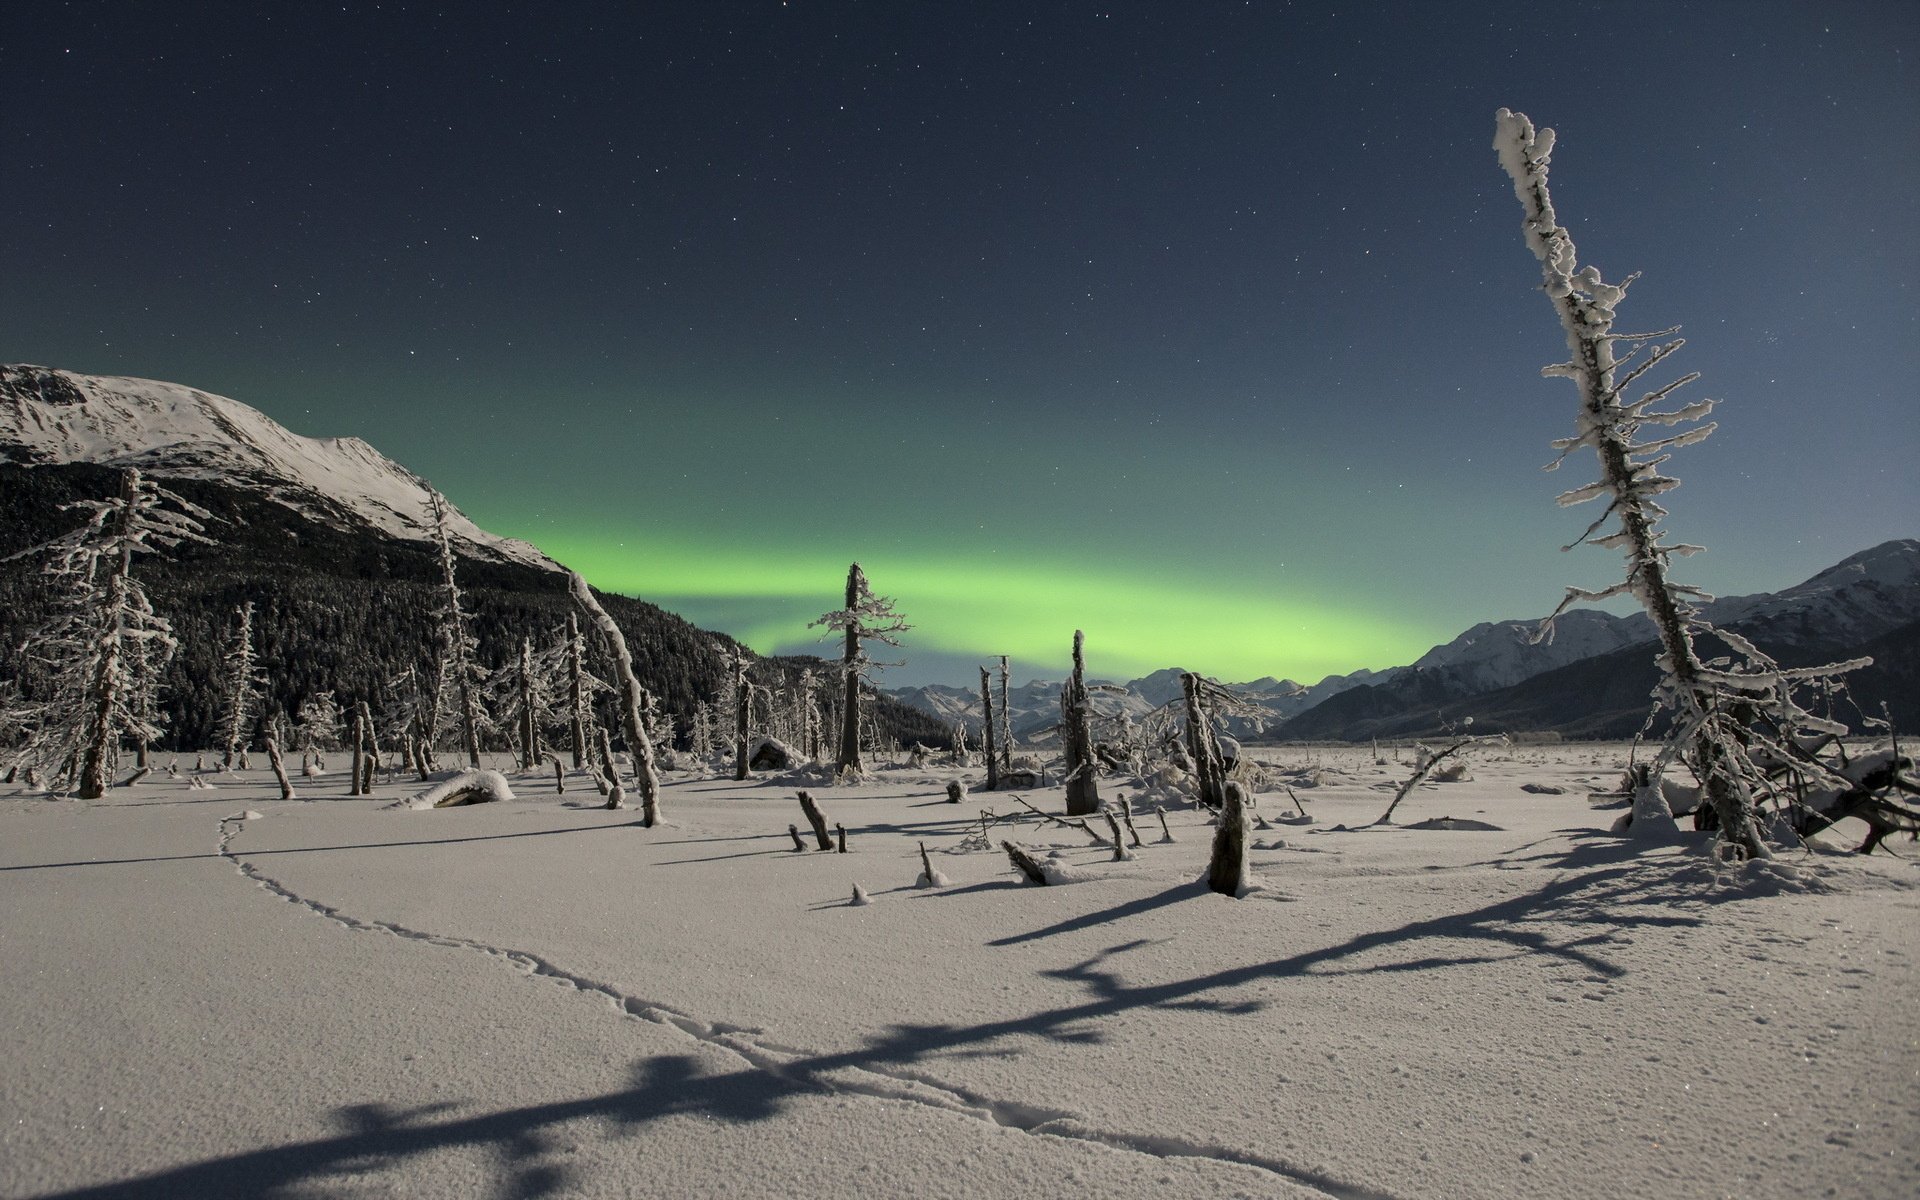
(1028, 611)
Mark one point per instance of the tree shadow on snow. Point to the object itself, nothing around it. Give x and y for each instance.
(1569, 920)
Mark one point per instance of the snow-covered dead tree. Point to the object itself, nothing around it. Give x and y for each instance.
(633, 699)
(1209, 770)
(85, 653)
(866, 618)
(1006, 716)
(241, 683)
(459, 668)
(1725, 711)
(986, 724)
(533, 709)
(742, 711)
(807, 716)
(577, 719)
(1076, 717)
(317, 725)
(701, 747)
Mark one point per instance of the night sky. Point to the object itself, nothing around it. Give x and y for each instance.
(1207, 328)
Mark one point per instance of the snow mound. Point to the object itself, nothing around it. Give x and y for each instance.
(468, 787)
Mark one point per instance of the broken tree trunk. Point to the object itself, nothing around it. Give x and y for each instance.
(816, 819)
(359, 755)
(279, 767)
(1227, 872)
(1025, 863)
(986, 707)
(1076, 713)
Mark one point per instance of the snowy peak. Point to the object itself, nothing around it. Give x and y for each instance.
(1497, 654)
(49, 416)
(1858, 598)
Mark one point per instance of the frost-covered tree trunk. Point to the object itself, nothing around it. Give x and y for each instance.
(456, 646)
(742, 712)
(530, 705)
(1718, 711)
(850, 679)
(986, 725)
(1006, 715)
(241, 688)
(357, 761)
(632, 700)
(576, 691)
(1076, 714)
(1209, 772)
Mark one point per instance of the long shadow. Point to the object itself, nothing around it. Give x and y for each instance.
(1119, 912)
(376, 1133)
(675, 1084)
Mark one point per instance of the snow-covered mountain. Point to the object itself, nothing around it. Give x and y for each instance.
(1497, 654)
(1864, 597)
(1858, 598)
(1036, 703)
(50, 416)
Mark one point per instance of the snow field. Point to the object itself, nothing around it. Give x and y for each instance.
(539, 997)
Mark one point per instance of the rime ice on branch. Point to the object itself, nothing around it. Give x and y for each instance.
(1729, 720)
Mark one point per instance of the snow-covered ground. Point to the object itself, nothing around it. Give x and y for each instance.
(341, 998)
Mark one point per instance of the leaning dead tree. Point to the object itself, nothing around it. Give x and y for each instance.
(866, 618)
(633, 699)
(1076, 719)
(1731, 717)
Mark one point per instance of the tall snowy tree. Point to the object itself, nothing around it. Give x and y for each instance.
(1732, 718)
(866, 618)
(102, 622)
(459, 670)
(241, 683)
(1076, 719)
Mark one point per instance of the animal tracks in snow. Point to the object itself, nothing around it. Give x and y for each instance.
(805, 1069)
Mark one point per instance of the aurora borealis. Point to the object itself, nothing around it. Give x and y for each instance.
(1206, 328)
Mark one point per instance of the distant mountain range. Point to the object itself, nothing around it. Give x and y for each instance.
(332, 540)
(1592, 679)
